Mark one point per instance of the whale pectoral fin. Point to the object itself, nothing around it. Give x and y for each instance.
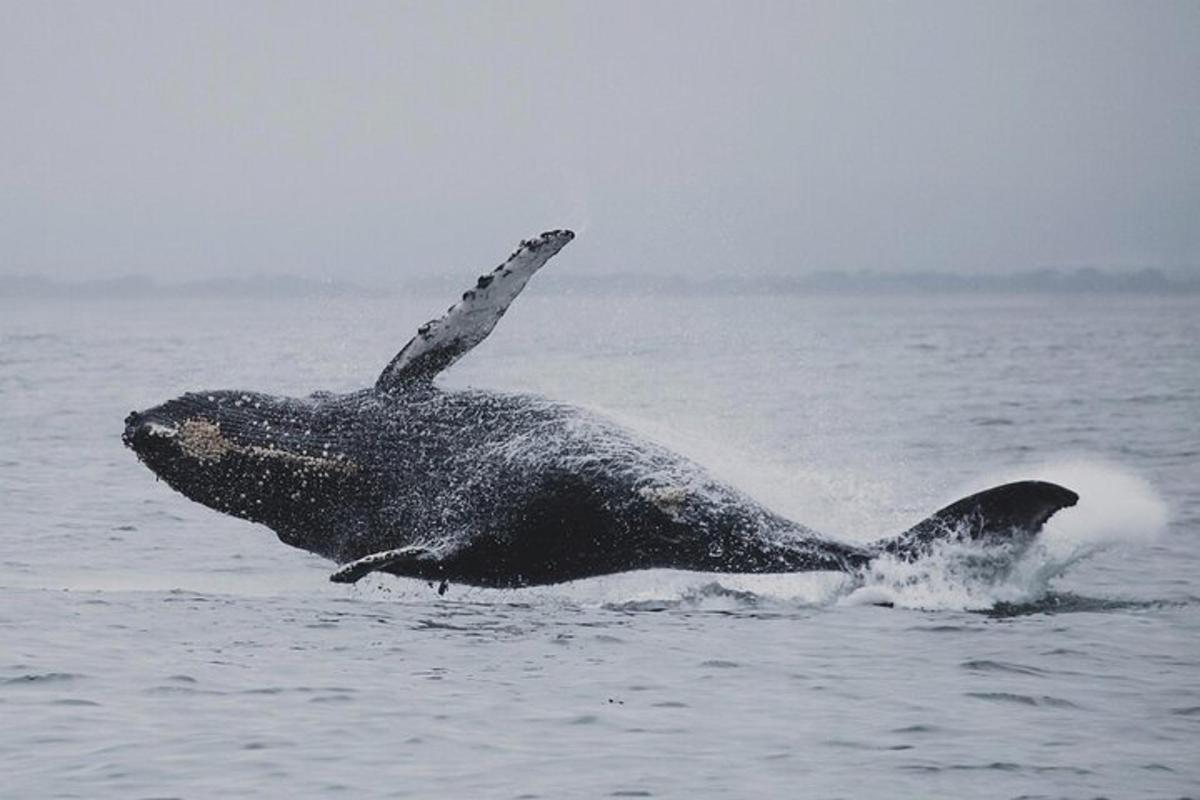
(441, 342)
(359, 568)
(1014, 512)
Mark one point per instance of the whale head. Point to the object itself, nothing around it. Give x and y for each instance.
(279, 461)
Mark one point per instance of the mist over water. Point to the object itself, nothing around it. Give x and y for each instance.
(152, 647)
(195, 141)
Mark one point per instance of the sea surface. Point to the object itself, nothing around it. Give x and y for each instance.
(150, 647)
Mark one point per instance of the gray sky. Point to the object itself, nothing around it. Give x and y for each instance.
(368, 140)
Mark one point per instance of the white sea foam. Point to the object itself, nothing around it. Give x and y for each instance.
(641, 590)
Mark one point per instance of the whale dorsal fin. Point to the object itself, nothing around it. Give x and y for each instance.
(441, 342)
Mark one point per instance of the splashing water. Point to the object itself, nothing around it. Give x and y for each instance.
(1115, 509)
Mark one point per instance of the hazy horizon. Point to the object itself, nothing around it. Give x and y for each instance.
(447, 284)
(378, 143)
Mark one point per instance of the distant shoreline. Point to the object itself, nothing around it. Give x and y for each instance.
(1081, 281)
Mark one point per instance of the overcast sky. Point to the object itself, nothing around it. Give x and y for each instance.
(368, 140)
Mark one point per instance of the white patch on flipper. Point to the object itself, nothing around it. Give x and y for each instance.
(357, 569)
(441, 342)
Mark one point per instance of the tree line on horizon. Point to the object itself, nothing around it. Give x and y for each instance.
(1084, 280)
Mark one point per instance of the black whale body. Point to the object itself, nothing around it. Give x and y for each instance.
(501, 490)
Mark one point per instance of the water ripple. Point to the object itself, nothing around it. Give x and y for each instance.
(1022, 699)
(41, 678)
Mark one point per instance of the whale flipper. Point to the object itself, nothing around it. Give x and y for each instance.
(441, 342)
(359, 568)
(1014, 512)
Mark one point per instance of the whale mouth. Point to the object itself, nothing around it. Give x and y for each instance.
(142, 430)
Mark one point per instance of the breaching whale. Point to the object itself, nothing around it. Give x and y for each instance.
(502, 490)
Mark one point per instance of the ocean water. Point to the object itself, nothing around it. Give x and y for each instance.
(150, 647)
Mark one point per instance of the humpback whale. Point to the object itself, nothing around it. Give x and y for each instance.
(503, 490)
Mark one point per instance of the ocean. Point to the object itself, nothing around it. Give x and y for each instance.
(150, 647)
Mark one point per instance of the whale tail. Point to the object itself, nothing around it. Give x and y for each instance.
(1010, 515)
